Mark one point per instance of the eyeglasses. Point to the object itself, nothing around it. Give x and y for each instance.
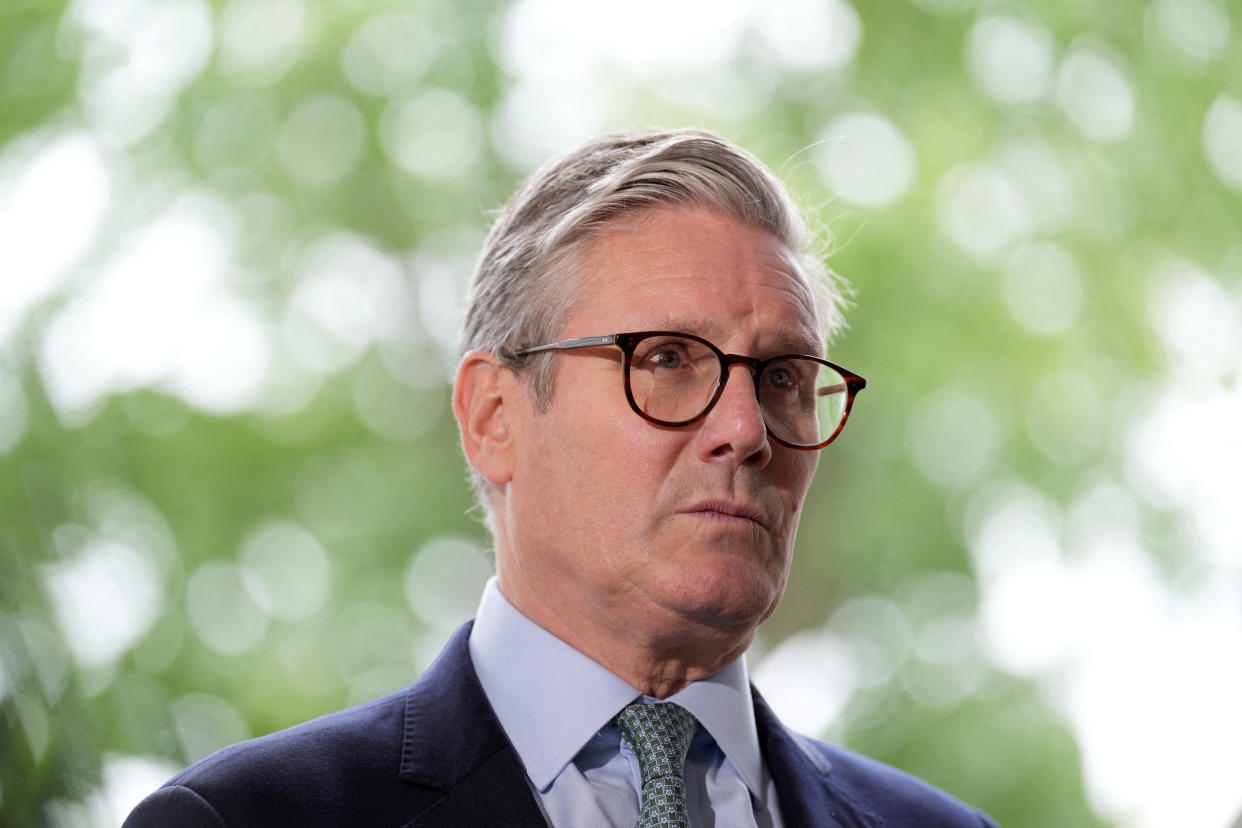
(673, 379)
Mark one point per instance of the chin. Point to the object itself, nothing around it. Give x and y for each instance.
(729, 593)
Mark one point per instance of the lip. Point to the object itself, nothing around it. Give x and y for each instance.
(730, 509)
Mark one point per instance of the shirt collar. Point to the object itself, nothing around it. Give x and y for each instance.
(551, 699)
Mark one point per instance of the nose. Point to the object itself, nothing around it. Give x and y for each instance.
(734, 428)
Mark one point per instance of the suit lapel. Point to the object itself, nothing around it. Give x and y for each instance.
(804, 789)
(454, 744)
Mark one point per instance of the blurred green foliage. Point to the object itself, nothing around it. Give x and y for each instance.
(355, 444)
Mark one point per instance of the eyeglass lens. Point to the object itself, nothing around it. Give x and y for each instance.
(673, 379)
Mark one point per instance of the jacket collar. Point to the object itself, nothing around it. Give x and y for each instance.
(453, 743)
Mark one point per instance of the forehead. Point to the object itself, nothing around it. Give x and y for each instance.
(696, 270)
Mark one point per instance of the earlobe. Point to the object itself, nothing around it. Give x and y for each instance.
(479, 400)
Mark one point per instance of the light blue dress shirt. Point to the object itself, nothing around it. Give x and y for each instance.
(555, 705)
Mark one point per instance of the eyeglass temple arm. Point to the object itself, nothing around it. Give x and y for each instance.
(853, 383)
(570, 344)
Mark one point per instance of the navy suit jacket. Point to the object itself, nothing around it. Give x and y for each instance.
(434, 754)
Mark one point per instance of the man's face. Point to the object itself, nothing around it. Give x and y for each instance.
(622, 522)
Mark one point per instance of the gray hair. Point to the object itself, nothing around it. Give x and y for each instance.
(524, 286)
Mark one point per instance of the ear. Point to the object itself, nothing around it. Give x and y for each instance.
(483, 389)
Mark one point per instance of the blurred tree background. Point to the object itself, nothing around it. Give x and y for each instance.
(234, 238)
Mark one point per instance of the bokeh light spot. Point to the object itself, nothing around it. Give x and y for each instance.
(1197, 31)
(1222, 140)
(52, 197)
(260, 40)
(221, 611)
(809, 34)
(321, 140)
(106, 597)
(1095, 93)
(865, 159)
(285, 569)
(1010, 57)
(144, 52)
(445, 579)
(952, 438)
(1199, 322)
(808, 679)
(981, 210)
(436, 134)
(1039, 174)
(388, 55)
(349, 294)
(134, 326)
(236, 132)
(1043, 289)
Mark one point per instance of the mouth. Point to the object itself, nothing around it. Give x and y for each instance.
(728, 511)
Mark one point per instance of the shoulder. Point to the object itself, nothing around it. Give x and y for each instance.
(357, 738)
(887, 795)
(333, 764)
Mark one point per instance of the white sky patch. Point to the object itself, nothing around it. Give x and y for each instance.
(321, 140)
(106, 597)
(1197, 31)
(388, 55)
(1095, 92)
(558, 38)
(1184, 451)
(1043, 288)
(1096, 625)
(567, 58)
(53, 192)
(285, 570)
(952, 438)
(437, 134)
(818, 35)
(261, 40)
(865, 159)
(1222, 140)
(981, 210)
(1010, 57)
(1199, 323)
(138, 56)
(159, 314)
(444, 580)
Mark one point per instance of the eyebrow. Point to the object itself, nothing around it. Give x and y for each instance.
(786, 342)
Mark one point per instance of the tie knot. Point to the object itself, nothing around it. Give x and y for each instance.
(659, 734)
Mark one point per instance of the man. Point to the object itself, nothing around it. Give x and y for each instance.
(642, 399)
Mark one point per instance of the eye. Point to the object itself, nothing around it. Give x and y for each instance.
(782, 379)
(669, 356)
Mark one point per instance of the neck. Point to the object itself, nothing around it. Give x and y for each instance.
(656, 654)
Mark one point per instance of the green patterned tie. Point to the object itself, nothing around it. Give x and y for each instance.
(659, 735)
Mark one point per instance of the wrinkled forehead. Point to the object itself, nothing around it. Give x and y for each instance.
(784, 277)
